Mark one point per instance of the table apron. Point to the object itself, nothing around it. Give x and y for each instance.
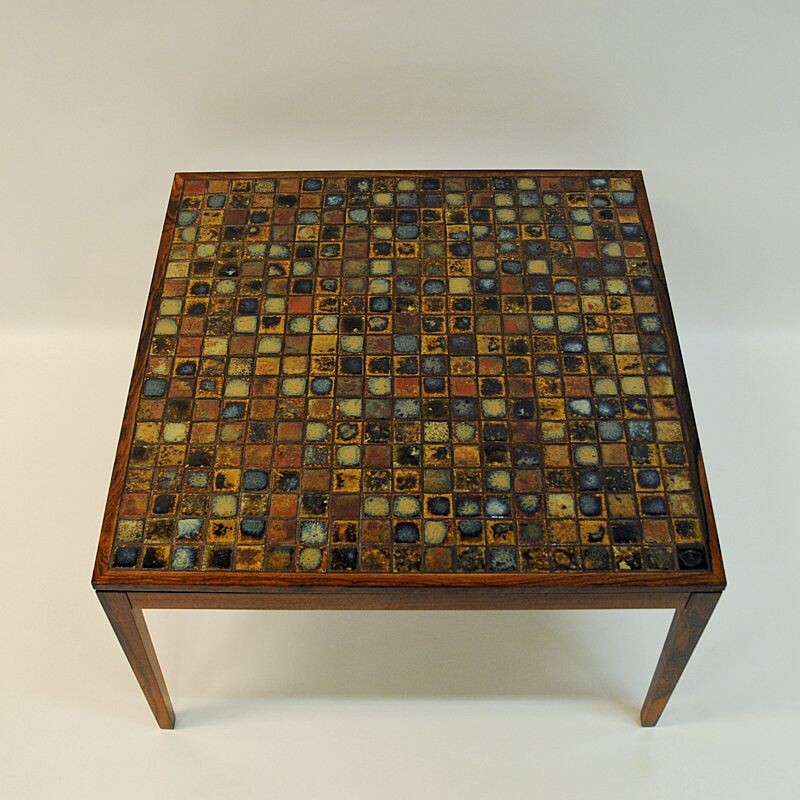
(407, 599)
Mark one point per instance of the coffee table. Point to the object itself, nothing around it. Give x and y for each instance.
(408, 390)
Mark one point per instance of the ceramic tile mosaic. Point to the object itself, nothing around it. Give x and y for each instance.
(424, 372)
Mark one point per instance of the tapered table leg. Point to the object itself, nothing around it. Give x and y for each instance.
(131, 629)
(687, 626)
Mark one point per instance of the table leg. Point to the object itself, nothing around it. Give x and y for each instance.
(684, 633)
(131, 629)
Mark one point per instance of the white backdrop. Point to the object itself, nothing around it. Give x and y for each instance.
(102, 102)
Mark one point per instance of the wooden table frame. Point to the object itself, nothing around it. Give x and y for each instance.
(124, 610)
(124, 594)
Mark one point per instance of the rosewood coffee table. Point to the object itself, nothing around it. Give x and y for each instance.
(408, 390)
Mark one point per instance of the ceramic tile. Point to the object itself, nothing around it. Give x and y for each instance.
(418, 373)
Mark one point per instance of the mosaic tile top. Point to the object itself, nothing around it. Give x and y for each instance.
(420, 372)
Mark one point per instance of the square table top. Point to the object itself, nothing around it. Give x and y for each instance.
(399, 378)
